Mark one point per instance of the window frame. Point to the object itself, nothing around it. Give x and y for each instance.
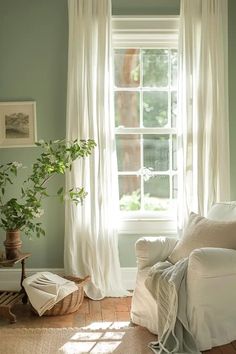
(154, 32)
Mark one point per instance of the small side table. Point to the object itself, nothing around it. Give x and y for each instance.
(9, 298)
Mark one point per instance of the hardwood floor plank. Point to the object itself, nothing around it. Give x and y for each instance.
(88, 319)
(93, 317)
(121, 305)
(84, 308)
(108, 315)
(123, 316)
(108, 303)
(94, 307)
(79, 320)
(224, 349)
(227, 349)
(54, 321)
(212, 351)
(128, 300)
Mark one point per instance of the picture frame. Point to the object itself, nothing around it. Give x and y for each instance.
(17, 124)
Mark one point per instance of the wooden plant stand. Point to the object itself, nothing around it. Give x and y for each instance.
(9, 298)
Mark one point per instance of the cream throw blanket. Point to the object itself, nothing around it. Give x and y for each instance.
(167, 284)
(45, 289)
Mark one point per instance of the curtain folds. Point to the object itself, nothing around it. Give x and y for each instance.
(91, 245)
(203, 135)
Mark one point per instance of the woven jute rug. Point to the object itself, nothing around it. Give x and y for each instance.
(99, 338)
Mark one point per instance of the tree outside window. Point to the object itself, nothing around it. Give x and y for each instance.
(145, 116)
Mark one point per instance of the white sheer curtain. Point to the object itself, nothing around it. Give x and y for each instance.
(203, 106)
(91, 245)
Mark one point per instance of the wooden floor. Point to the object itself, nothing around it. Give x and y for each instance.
(108, 309)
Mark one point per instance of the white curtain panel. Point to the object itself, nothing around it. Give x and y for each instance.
(91, 244)
(203, 124)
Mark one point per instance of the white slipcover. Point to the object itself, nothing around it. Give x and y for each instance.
(211, 286)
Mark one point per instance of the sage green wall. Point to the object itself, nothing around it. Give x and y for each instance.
(145, 7)
(33, 66)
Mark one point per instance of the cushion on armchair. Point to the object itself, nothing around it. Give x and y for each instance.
(202, 232)
(223, 211)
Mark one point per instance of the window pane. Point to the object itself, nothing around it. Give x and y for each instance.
(174, 153)
(155, 67)
(127, 67)
(127, 109)
(155, 109)
(128, 151)
(173, 108)
(174, 67)
(157, 193)
(129, 187)
(145, 96)
(156, 152)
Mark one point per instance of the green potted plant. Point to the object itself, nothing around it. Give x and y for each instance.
(22, 213)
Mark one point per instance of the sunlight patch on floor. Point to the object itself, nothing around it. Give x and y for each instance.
(96, 338)
(105, 347)
(86, 336)
(77, 347)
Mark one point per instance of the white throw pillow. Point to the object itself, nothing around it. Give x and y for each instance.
(223, 211)
(202, 232)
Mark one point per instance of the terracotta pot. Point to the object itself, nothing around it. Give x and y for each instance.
(12, 244)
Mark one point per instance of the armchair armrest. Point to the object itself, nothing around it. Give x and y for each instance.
(212, 262)
(211, 293)
(150, 250)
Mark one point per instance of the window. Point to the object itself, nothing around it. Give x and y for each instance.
(145, 105)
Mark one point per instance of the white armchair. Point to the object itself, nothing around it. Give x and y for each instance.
(211, 286)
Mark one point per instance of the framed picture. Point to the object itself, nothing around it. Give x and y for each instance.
(17, 124)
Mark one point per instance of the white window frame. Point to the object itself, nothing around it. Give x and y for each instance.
(146, 32)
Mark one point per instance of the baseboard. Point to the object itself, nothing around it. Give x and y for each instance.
(129, 277)
(10, 278)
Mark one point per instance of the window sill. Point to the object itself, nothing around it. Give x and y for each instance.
(148, 227)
